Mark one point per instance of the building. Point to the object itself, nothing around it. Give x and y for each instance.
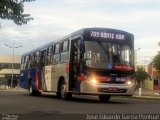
(152, 83)
(6, 69)
(155, 77)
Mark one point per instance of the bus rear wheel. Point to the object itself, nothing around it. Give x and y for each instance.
(104, 98)
(33, 92)
(62, 91)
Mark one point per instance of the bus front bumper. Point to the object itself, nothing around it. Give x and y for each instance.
(107, 88)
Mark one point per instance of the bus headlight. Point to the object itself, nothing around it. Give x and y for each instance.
(129, 82)
(93, 81)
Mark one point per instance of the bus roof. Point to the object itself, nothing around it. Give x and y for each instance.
(98, 29)
(78, 32)
(41, 48)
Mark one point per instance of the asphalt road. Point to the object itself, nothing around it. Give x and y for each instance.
(21, 104)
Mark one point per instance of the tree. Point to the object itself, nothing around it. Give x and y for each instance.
(141, 75)
(13, 10)
(156, 62)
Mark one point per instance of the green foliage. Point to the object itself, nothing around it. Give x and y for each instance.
(13, 10)
(141, 74)
(156, 62)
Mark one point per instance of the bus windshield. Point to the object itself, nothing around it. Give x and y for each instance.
(100, 55)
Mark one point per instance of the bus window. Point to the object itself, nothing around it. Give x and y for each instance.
(57, 53)
(121, 54)
(37, 58)
(65, 53)
(34, 60)
(42, 58)
(65, 45)
(49, 51)
(30, 61)
(22, 63)
(57, 48)
(52, 53)
(26, 62)
(75, 52)
(96, 54)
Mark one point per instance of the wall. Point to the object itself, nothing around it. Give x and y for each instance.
(148, 84)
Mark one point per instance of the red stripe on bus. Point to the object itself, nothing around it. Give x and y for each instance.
(37, 79)
(67, 68)
(82, 77)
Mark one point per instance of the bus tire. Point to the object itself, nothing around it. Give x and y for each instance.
(104, 98)
(33, 92)
(62, 93)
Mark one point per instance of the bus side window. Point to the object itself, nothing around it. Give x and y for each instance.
(47, 56)
(37, 60)
(65, 53)
(75, 52)
(57, 53)
(34, 61)
(43, 57)
(22, 63)
(52, 53)
(48, 60)
(75, 56)
(26, 62)
(65, 46)
(30, 65)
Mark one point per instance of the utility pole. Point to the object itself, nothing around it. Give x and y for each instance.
(136, 55)
(13, 47)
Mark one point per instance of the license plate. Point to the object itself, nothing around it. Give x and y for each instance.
(112, 89)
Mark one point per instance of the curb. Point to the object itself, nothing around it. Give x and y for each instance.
(17, 90)
(152, 98)
(147, 97)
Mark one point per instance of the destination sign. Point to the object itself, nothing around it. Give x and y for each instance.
(123, 67)
(108, 35)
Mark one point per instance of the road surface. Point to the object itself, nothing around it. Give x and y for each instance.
(19, 103)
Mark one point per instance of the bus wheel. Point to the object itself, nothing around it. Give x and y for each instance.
(63, 93)
(104, 98)
(33, 92)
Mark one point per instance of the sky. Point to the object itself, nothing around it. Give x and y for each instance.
(54, 19)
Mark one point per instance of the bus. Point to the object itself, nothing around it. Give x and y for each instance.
(90, 61)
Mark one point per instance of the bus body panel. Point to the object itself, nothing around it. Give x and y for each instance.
(48, 77)
(59, 71)
(24, 81)
(28, 77)
(33, 76)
